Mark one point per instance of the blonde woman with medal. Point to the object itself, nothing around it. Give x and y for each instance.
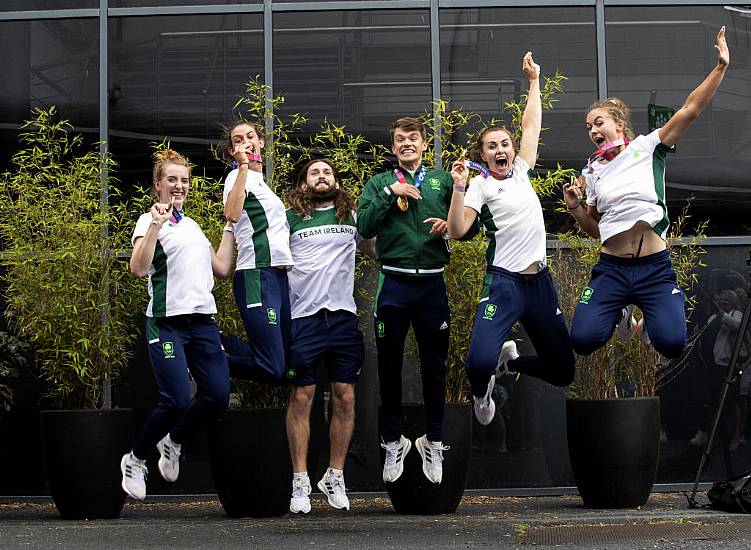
(170, 248)
(624, 184)
(406, 210)
(260, 283)
(518, 284)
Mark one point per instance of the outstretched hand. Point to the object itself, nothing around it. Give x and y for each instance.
(530, 68)
(723, 54)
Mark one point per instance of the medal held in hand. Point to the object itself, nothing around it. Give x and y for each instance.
(402, 202)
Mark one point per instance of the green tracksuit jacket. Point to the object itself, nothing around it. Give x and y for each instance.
(405, 245)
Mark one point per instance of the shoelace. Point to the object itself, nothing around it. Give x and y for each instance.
(437, 451)
(391, 452)
(300, 489)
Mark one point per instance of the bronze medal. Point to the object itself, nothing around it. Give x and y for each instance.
(402, 203)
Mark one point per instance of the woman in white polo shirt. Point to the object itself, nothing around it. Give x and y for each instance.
(518, 285)
(625, 208)
(260, 282)
(171, 249)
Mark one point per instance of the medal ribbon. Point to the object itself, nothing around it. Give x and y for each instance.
(606, 151)
(486, 172)
(252, 157)
(177, 215)
(418, 180)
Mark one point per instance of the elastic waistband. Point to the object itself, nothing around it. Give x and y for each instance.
(519, 276)
(657, 257)
(406, 271)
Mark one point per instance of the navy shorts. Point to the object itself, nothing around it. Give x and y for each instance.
(331, 336)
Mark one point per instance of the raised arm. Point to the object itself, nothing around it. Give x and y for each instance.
(697, 100)
(460, 217)
(532, 117)
(236, 199)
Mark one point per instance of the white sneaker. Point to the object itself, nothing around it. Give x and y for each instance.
(485, 406)
(432, 458)
(508, 353)
(300, 501)
(699, 439)
(169, 459)
(393, 466)
(627, 326)
(333, 487)
(134, 476)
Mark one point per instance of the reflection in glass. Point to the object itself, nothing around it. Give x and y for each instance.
(360, 68)
(51, 62)
(177, 78)
(658, 55)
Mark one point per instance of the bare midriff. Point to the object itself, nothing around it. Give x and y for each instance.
(640, 240)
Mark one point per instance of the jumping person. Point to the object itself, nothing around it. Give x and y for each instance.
(625, 208)
(406, 209)
(323, 241)
(518, 285)
(260, 282)
(171, 249)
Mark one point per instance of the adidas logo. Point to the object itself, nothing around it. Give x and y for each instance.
(443, 326)
(557, 311)
(676, 291)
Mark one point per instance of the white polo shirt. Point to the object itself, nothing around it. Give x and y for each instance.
(261, 234)
(511, 214)
(180, 275)
(324, 250)
(630, 188)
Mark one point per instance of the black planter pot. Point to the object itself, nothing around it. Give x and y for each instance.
(614, 449)
(250, 463)
(412, 493)
(82, 452)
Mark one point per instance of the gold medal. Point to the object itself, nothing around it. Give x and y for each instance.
(402, 203)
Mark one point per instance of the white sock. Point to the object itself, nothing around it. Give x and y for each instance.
(300, 475)
(333, 472)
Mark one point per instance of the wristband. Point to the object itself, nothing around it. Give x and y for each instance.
(228, 228)
(155, 222)
(574, 208)
(460, 188)
(245, 163)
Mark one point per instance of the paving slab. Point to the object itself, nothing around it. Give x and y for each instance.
(481, 522)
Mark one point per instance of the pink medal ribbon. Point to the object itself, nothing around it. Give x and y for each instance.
(606, 151)
(252, 157)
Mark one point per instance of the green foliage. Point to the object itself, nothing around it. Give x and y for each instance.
(14, 357)
(620, 367)
(67, 293)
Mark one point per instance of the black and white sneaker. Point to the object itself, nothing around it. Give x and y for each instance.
(432, 458)
(134, 476)
(332, 485)
(393, 466)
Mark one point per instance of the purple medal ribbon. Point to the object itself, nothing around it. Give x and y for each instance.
(485, 172)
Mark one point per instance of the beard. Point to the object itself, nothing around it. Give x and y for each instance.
(322, 196)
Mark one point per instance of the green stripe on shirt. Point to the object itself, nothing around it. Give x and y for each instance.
(159, 282)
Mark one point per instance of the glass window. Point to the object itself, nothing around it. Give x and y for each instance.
(28, 5)
(481, 68)
(156, 3)
(51, 62)
(177, 78)
(359, 68)
(659, 55)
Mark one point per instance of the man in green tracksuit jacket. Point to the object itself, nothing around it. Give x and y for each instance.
(406, 209)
